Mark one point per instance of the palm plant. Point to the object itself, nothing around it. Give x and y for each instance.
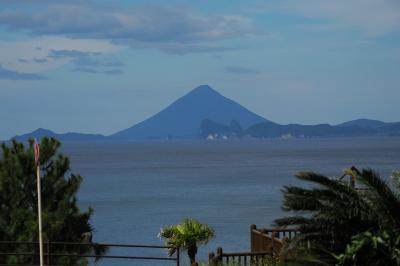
(333, 215)
(187, 235)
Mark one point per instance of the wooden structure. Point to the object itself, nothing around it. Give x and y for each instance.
(263, 243)
(241, 258)
(270, 240)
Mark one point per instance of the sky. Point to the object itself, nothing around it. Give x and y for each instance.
(102, 66)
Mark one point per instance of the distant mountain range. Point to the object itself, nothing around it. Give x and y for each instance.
(204, 113)
(71, 136)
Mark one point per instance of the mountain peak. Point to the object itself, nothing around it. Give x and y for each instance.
(204, 90)
(42, 131)
(183, 118)
(203, 87)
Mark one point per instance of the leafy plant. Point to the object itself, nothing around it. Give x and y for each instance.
(369, 249)
(187, 235)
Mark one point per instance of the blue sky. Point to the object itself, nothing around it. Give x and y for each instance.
(102, 66)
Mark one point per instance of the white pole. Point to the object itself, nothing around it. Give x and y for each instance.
(39, 213)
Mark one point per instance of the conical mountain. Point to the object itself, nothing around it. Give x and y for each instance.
(182, 119)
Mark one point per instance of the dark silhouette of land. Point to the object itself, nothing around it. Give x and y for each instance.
(205, 113)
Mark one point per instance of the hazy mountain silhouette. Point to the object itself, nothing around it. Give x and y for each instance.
(182, 119)
(268, 130)
(354, 128)
(71, 136)
(204, 113)
(364, 123)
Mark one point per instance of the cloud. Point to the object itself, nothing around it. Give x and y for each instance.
(70, 53)
(373, 17)
(237, 70)
(96, 71)
(99, 62)
(86, 34)
(54, 52)
(14, 75)
(85, 69)
(180, 48)
(113, 72)
(160, 27)
(39, 60)
(90, 62)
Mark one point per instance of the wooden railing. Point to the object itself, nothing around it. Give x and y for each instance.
(240, 258)
(270, 240)
(263, 243)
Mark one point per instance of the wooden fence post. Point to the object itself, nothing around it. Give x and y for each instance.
(219, 254)
(212, 259)
(273, 242)
(252, 244)
(48, 253)
(178, 260)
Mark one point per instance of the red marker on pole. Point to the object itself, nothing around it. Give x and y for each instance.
(36, 152)
(39, 193)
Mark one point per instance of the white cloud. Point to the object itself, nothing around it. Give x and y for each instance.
(151, 25)
(90, 28)
(32, 55)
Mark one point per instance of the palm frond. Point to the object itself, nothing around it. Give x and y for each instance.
(382, 198)
(186, 234)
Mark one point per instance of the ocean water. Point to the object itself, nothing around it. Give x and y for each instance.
(137, 187)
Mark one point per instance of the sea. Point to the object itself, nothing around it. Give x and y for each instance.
(135, 188)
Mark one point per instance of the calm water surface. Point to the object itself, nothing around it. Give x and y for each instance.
(136, 188)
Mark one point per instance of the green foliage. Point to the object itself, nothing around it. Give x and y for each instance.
(369, 249)
(336, 218)
(187, 236)
(396, 179)
(62, 219)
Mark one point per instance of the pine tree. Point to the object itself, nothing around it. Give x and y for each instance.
(63, 221)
